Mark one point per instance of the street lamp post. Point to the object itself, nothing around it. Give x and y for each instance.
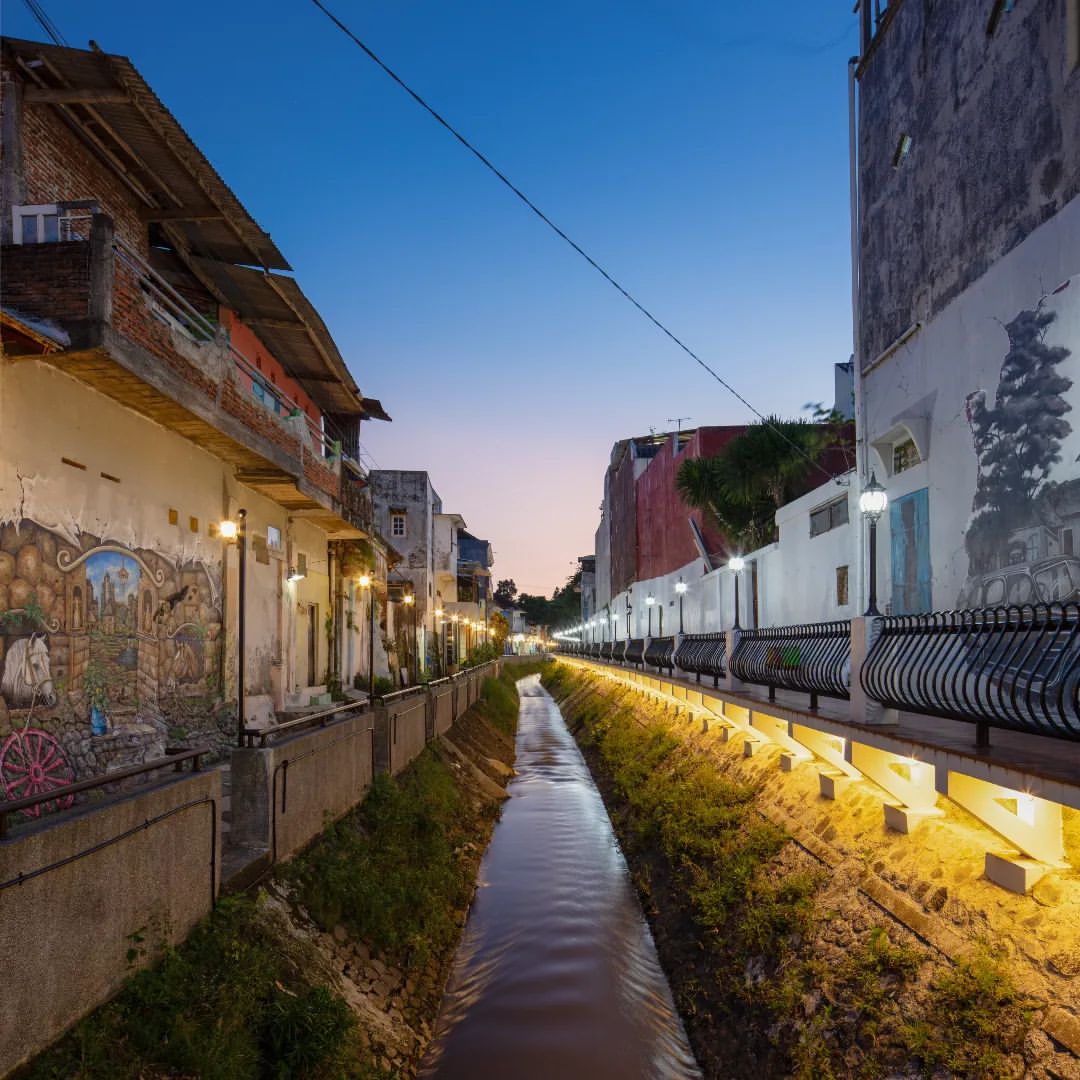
(650, 603)
(680, 588)
(614, 627)
(628, 610)
(366, 582)
(736, 563)
(237, 531)
(872, 503)
(410, 602)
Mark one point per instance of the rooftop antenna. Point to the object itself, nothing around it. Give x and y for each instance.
(678, 422)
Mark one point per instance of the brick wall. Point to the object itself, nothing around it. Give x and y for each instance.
(255, 416)
(47, 281)
(58, 167)
(325, 479)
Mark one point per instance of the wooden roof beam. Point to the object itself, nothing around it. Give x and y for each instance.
(73, 95)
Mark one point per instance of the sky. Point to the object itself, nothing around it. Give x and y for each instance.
(697, 149)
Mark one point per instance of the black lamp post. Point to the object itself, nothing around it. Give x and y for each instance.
(680, 588)
(237, 531)
(872, 503)
(736, 563)
(628, 610)
(650, 603)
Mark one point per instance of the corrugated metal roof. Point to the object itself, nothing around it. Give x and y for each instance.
(151, 148)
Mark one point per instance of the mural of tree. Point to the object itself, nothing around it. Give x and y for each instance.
(1018, 440)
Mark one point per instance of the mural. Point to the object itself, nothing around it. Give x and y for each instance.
(102, 634)
(1023, 539)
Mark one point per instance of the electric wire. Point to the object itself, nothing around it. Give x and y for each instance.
(488, 164)
(46, 24)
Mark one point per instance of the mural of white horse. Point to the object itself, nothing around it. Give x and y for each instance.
(27, 678)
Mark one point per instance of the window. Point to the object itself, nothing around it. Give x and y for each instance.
(397, 523)
(829, 516)
(841, 586)
(35, 224)
(905, 456)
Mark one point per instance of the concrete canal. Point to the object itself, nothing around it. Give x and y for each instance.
(557, 975)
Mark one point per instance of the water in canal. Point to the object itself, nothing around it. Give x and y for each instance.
(557, 976)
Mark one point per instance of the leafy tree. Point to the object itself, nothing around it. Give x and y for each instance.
(563, 608)
(500, 630)
(505, 591)
(753, 476)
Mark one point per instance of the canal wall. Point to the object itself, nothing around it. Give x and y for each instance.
(801, 937)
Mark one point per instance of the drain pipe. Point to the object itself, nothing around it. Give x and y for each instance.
(861, 450)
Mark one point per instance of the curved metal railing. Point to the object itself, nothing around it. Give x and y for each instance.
(703, 654)
(618, 652)
(605, 650)
(814, 658)
(1008, 667)
(635, 652)
(660, 652)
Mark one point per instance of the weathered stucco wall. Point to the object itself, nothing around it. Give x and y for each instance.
(142, 893)
(994, 122)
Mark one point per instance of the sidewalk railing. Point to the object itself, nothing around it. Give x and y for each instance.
(660, 654)
(1008, 667)
(814, 658)
(703, 654)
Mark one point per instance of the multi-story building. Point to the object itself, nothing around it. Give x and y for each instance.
(160, 374)
(968, 298)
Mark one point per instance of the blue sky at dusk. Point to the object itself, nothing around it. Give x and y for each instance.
(698, 150)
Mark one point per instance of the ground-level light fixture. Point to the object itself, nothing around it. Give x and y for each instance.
(872, 504)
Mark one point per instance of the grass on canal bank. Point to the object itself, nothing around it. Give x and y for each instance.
(250, 997)
(776, 969)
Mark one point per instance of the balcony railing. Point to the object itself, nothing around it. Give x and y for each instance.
(814, 658)
(703, 654)
(1010, 667)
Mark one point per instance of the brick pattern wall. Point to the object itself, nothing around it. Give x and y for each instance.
(325, 479)
(133, 319)
(46, 281)
(255, 416)
(58, 167)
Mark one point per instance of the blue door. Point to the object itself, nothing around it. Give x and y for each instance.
(909, 529)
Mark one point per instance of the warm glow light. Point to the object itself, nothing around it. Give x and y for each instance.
(439, 613)
(229, 530)
(295, 575)
(873, 500)
(364, 581)
(736, 563)
(409, 599)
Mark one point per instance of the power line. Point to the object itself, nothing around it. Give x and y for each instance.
(488, 164)
(45, 22)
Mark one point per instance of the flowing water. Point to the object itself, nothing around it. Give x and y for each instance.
(557, 976)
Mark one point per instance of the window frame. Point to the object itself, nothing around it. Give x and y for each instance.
(396, 517)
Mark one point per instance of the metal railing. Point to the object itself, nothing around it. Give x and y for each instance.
(635, 652)
(605, 650)
(660, 654)
(64, 797)
(315, 719)
(1008, 667)
(814, 658)
(703, 654)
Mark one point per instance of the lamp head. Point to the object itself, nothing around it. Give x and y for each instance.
(364, 581)
(228, 530)
(650, 599)
(736, 563)
(409, 599)
(681, 587)
(873, 500)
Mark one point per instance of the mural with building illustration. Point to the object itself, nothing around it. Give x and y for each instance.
(109, 634)
(1023, 537)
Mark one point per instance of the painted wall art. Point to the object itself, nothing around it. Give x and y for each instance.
(1023, 539)
(98, 639)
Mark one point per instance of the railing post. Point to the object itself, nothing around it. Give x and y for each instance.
(865, 630)
(735, 685)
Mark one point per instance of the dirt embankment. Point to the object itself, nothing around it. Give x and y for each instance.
(800, 937)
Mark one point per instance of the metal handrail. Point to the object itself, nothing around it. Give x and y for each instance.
(635, 652)
(703, 654)
(814, 658)
(660, 653)
(1006, 667)
(320, 718)
(68, 792)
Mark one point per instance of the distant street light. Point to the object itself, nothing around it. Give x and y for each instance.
(872, 504)
(236, 532)
(736, 563)
(680, 588)
(650, 603)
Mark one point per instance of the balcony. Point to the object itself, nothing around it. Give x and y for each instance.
(114, 323)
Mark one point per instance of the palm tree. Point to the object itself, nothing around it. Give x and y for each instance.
(753, 476)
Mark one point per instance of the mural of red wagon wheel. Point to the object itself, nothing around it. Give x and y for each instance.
(32, 762)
